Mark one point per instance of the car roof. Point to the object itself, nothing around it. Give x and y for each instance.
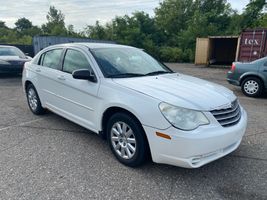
(92, 45)
(7, 46)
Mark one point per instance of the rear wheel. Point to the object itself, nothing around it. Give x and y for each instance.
(252, 87)
(127, 140)
(33, 100)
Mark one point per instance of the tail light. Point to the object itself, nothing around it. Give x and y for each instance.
(233, 67)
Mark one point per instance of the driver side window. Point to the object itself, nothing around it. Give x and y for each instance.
(74, 60)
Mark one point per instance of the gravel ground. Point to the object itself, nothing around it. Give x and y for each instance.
(49, 157)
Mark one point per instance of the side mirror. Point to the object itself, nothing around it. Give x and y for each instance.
(84, 74)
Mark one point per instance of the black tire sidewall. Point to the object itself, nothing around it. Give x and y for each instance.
(39, 110)
(258, 93)
(141, 146)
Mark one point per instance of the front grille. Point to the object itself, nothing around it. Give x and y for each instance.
(228, 116)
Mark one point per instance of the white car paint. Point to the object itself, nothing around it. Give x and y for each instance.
(84, 103)
(178, 89)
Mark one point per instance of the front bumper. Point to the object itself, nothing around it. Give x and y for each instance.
(6, 69)
(198, 147)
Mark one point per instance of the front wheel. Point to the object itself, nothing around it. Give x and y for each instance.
(127, 140)
(252, 87)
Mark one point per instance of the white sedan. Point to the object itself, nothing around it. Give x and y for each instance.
(138, 104)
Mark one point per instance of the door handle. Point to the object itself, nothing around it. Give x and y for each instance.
(62, 78)
(38, 70)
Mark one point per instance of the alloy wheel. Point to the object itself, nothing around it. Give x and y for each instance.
(123, 140)
(32, 98)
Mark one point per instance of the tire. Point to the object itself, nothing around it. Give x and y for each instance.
(131, 143)
(33, 100)
(252, 87)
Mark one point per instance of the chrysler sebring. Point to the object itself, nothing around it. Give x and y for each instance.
(138, 104)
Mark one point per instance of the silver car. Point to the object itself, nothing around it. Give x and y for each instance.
(252, 77)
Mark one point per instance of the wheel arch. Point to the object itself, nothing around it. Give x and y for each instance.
(27, 83)
(115, 109)
(245, 76)
(111, 111)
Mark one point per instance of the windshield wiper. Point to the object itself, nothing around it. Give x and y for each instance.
(158, 72)
(125, 75)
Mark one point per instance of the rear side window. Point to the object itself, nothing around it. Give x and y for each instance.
(75, 60)
(51, 58)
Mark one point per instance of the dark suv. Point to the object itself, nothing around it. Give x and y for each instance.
(252, 77)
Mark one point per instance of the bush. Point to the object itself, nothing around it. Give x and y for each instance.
(170, 54)
(188, 55)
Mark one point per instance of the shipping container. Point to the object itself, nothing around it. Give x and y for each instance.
(219, 50)
(41, 42)
(252, 45)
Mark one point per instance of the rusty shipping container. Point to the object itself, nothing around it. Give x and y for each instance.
(253, 45)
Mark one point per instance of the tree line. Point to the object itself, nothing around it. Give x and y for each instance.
(169, 35)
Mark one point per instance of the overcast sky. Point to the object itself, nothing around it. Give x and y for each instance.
(80, 12)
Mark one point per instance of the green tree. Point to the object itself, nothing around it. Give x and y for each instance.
(23, 24)
(96, 32)
(34, 30)
(171, 18)
(3, 24)
(263, 21)
(55, 16)
(55, 22)
(253, 13)
(234, 27)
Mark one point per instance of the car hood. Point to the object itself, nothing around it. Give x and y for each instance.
(13, 58)
(181, 90)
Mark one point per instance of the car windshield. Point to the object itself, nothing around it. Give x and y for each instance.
(11, 51)
(121, 62)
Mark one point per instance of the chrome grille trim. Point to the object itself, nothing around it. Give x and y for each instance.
(228, 116)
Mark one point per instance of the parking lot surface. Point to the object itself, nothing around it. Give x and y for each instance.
(49, 157)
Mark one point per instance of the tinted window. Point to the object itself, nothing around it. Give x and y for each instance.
(51, 58)
(74, 60)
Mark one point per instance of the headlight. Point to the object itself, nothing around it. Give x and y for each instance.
(2, 62)
(183, 118)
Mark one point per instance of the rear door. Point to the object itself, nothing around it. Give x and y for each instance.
(263, 71)
(78, 98)
(48, 71)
